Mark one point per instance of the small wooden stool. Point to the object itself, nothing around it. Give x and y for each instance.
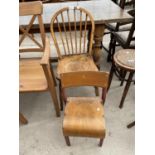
(124, 61)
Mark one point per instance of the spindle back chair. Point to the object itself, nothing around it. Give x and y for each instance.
(70, 19)
(73, 41)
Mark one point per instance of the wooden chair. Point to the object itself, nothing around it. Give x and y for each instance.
(73, 48)
(84, 116)
(35, 73)
(125, 39)
(119, 27)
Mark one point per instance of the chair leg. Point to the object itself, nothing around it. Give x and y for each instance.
(51, 69)
(126, 89)
(67, 140)
(101, 142)
(123, 77)
(22, 119)
(112, 45)
(60, 96)
(96, 91)
(111, 75)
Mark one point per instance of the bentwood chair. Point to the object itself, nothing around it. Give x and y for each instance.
(34, 68)
(84, 116)
(71, 42)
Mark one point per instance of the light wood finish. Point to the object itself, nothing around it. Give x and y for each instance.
(75, 54)
(31, 75)
(64, 15)
(87, 78)
(75, 63)
(35, 73)
(103, 11)
(34, 9)
(30, 8)
(22, 119)
(84, 116)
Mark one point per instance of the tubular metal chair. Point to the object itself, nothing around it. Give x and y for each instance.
(73, 47)
(84, 116)
(35, 72)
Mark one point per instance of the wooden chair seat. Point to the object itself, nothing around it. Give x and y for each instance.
(32, 77)
(76, 63)
(84, 116)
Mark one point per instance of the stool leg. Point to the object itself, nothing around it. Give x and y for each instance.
(101, 142)
(67, 140)
(123, 77)
(60, 96)
(111, 75)
(126, 89)
(131, 124)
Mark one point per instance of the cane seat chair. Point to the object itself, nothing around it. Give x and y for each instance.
(84, 116)
(73, 41)
(34, 71)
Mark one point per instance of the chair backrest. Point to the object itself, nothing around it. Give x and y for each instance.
(85, 78)
(31, 10)
(73, 24)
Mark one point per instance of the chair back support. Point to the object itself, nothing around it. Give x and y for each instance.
(73, 25)
(84, 78)
(31, 10)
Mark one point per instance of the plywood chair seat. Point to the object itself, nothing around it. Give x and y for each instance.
(75, 63)
(84, 116)
(32, 77)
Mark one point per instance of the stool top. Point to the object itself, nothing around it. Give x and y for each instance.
(125, 58)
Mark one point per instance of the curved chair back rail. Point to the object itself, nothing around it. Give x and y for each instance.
(72, 31)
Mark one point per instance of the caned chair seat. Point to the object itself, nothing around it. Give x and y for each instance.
(76, 63)
(84, 116)
(32, 77)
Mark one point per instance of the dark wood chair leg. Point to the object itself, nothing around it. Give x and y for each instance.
(110, 48)
(67, 140)
(60, 96)
(126, 89)
(22, 119)
(111, 75)
(123, 77)
(96, 91)
(101, 142)
(131, 124)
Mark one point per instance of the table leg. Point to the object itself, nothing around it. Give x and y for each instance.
(97, 47)
(126, 89)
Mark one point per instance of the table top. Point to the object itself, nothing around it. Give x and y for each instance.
(125, 58)
(103, 11)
